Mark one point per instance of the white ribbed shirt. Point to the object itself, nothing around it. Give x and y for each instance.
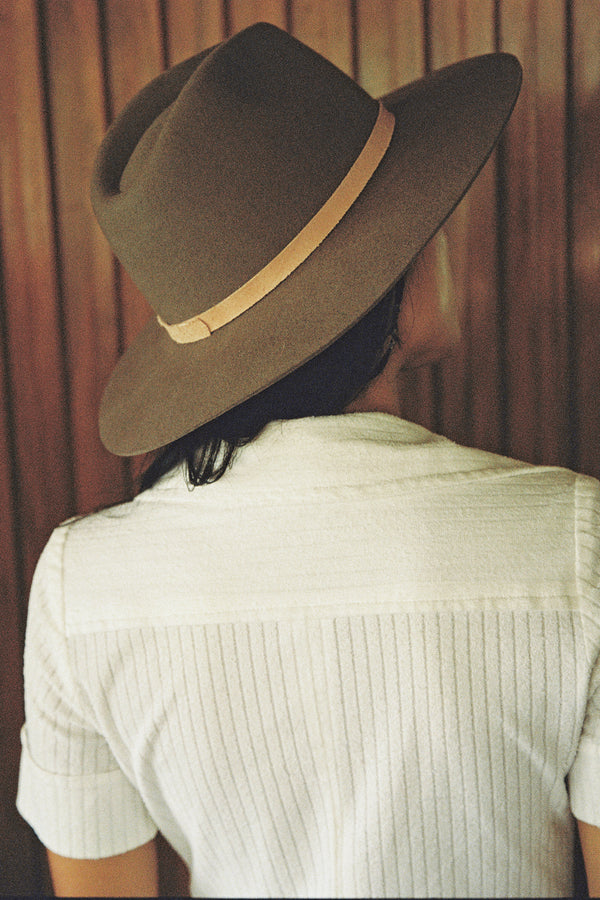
(363, 663)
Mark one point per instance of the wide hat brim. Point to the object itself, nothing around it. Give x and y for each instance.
(447, 124)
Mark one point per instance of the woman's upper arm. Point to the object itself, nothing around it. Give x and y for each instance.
(589, 836)
(130, 874)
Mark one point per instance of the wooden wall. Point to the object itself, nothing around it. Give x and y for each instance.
(525, 241)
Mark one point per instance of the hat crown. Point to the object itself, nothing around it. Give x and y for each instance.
(250, 140)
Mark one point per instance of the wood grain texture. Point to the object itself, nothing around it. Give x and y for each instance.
(327, 28)
(525, 245)
(17, 868)
(391, 44)
(35, 480)
(534, 250)
(193, 25)
(78, 116)
(585, 188)
(135, 54)
(470, 402)
(243, 13)
(17, 847)
(36, 364)
(391, 51)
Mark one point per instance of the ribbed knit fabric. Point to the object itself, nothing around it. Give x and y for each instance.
(361, 664)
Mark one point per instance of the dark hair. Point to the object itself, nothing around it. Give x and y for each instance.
(323, 386)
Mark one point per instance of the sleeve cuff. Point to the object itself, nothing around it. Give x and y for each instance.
(82, 816)
(584, 783)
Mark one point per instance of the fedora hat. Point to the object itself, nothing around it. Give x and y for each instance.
(263, 203)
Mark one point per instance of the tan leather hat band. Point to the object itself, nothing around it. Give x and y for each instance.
(300, 248)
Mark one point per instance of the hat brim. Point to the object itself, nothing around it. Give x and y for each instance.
(447, 124)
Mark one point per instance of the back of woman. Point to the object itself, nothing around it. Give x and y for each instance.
(357, 665)
(324, 651)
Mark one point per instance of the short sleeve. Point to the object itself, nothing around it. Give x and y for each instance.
(71, 790)
(584, 775)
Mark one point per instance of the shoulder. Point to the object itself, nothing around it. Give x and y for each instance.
(553, 498)
(101, 533)
(96, 565)
(587, 505)
(487, 472)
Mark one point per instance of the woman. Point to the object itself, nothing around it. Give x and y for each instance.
(359, 660)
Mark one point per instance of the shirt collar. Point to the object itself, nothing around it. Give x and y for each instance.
(319, 452)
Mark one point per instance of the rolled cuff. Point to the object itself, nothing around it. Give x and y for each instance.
(584, 783)
(82, 816)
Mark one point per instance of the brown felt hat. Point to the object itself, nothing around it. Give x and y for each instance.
(263, 203)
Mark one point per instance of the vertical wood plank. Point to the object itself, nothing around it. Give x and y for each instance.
(77, 106)
(36, 459)
(535, 237)
(470, 379)
(10, 574)
(585, 173)
(390, 53)
(17, 847)
(327, 28)
(61, 325)
(135, 56)
(391, 46)
(243, 13)
(193, 25)
(134, 48)
(33, 321)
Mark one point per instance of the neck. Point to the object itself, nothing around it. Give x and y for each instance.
(383, 394)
